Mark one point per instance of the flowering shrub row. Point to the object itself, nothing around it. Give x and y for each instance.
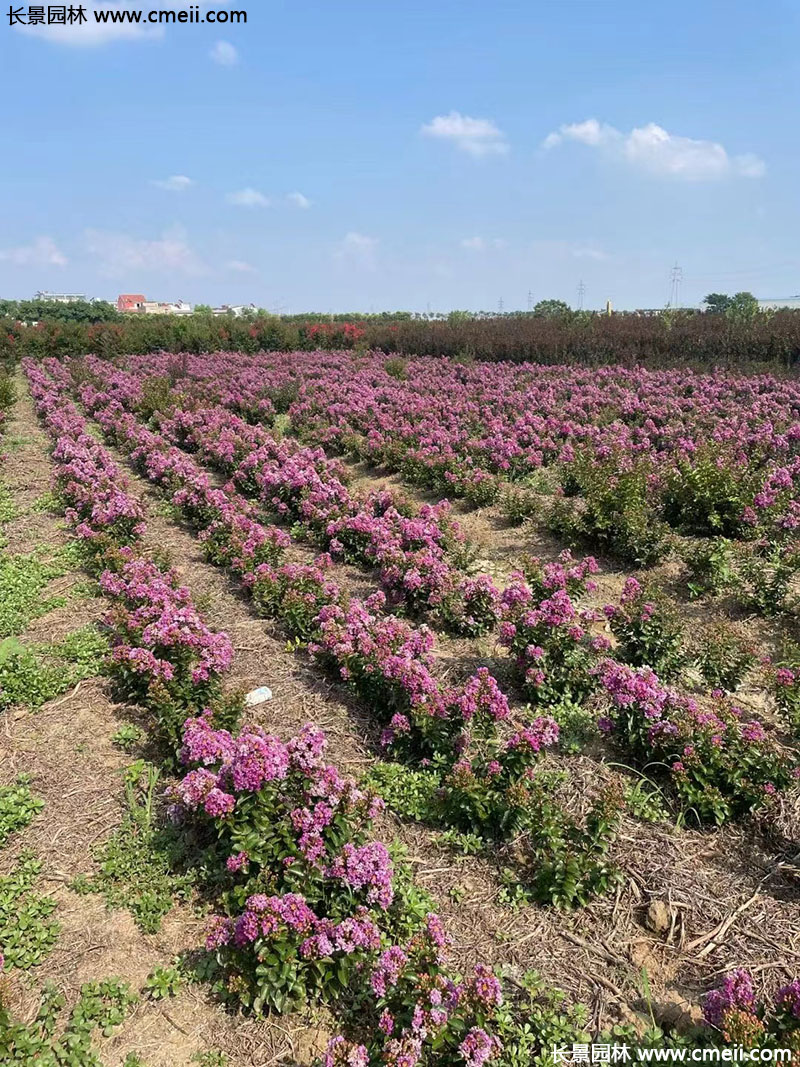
(420, 555)
(548, 634)
(316, 909)
(485, 764)
(311, 907)
(719, 444)
(163, 653)
(720, 762)
(101, 510)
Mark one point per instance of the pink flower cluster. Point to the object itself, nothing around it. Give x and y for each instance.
(721, 763)
(548, 634)
(158, 630)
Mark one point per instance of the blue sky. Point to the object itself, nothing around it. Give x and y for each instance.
(357, 156)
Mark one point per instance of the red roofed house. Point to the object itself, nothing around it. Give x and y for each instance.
(130, 302)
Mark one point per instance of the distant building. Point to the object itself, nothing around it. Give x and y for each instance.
(60, 298)
(789, 302)
(130, 302)
(237, 310)
(137, 304)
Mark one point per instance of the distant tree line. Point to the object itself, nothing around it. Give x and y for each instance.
(77, 311)
(733, 332)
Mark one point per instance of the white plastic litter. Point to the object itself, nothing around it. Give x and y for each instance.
(258, 696)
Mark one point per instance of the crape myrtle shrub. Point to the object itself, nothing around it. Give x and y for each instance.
(771, 340)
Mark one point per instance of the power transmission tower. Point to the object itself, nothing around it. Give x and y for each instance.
(676, 278)
(581, 294)
(530, 300)
(500, 306)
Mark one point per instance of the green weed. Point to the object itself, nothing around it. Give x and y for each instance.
(138, 863)
(27, 933)
(18, 806)
(101, 1006)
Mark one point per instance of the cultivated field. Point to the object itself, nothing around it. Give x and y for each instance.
(529, 771)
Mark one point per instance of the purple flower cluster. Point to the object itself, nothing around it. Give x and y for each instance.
(159, 633)
(414, 553)
(736, 991)
(100, 507)
(734, 1010)
(549, 635)
(721, 764)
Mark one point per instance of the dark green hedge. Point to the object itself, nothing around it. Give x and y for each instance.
(674, 338)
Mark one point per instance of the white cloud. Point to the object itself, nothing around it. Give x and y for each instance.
(225, 54)
(479, 244)
(589, 132)
(177, 183)
(43, 252)
(358, 249)
(248, 198)
(240, 267)
(298, 200)
(478, 137)
(91, 33)
(120, 254)
(653, 150)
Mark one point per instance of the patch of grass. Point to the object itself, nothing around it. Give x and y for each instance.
(139, 865)
(18, 806)
(468, 844)
(212, 1057)
(102, 1006)
(27, 933)
(85, 651)
(8, 508)
(410, 793)
(70, 556)
(24, 678)
(83, 589)
(30, 677)
(22, 582)
(47, 502)
(645, 801)
(166, 509)
(13, 442)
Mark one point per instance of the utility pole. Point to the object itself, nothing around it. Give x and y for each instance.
(676, 277)
(581, 294)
